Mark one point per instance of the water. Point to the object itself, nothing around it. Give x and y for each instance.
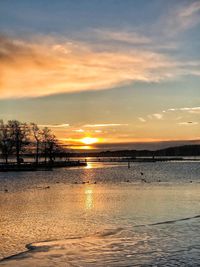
(106, 222)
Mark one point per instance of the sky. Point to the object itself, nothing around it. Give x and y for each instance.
(109, 74)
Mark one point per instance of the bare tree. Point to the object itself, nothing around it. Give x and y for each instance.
(37, 134)
(50, 144)
(19, 133)
(15, 137)
(6, 142)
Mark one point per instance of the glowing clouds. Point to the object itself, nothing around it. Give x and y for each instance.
(30, 69)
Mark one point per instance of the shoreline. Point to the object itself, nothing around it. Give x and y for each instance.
(41, 166)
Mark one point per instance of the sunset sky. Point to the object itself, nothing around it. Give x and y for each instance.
(108, 74)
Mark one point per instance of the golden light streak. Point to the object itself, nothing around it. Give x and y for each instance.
(89, 201)
(82, 147)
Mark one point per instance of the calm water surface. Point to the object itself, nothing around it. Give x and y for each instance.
(113, 219)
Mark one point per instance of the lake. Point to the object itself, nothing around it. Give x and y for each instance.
(102, 215)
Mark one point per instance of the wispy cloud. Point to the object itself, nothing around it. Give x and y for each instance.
(182, 17)
(193, 110)
(104, 125)
(63, 125)
(188, 11)
(125, 36)
(51, 66)
(188, 123)
(158, 116)
(141, 119)
(78, 130)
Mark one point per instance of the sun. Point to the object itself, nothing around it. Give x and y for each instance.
(89, 140)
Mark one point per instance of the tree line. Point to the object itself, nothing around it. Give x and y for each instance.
(17, 137)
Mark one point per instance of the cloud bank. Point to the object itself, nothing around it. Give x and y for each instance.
(50, 66)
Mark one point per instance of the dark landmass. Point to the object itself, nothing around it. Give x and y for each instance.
(179, 151)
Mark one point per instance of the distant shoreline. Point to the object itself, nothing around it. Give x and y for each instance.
(177, 151)
(71, 159)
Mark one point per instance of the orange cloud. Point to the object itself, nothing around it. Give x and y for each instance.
(47, 66)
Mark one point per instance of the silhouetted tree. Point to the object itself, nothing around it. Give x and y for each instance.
(6, 142)
(50, 144)
(37, 134)
(15, 137)
(19, 133)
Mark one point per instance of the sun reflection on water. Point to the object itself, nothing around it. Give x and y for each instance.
(89, 199)
(89, 165)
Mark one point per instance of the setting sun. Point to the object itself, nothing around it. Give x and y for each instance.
(89, 140)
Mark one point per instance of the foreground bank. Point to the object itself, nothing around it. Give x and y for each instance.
(41, 166)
